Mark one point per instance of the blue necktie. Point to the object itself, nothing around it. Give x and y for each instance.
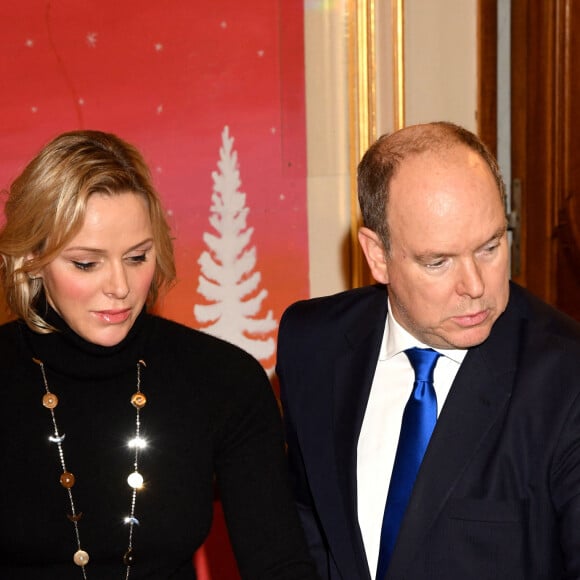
(418, 422)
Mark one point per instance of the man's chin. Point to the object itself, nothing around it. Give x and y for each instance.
(469, 337)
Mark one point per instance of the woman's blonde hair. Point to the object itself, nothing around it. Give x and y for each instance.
(46, 208)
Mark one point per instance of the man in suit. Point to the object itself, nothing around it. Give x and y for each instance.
(497, 494)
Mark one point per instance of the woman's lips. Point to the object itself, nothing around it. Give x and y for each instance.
(114, 316)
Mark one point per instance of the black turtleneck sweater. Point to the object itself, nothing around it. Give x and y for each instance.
(210, 412)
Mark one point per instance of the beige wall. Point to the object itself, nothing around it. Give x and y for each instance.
(440, 84)
(441, 61)
(327, 145)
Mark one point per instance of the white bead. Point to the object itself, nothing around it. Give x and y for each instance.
(135, 480)
(81, 558)
(138, 442)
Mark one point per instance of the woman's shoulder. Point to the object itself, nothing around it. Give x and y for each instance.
(224, 375)
(11, 350)
(9, 332)
(175, 337)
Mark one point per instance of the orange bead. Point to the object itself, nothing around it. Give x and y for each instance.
(138, 400)
(50, 400)
(67, 479)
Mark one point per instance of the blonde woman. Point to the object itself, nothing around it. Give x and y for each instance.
(116, 422)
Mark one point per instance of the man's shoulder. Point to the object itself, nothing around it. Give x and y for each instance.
(318, 323)
(340, 305)
(542, 318)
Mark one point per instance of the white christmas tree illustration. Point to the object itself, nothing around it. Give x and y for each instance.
(228, 280)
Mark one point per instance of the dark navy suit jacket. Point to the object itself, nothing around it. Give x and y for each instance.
(498, 493)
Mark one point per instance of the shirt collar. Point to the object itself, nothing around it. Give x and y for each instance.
(396, 340)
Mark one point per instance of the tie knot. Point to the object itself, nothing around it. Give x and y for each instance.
(423, 361)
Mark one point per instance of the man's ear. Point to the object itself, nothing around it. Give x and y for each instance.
(375, 254)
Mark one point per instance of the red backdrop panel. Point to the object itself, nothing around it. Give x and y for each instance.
(169, 77)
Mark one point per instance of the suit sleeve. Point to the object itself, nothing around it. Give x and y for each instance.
(566, 490)
(288, 373)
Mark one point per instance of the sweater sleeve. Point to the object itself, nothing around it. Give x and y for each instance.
(251, 473)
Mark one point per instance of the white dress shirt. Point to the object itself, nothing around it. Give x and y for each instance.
(377, 444)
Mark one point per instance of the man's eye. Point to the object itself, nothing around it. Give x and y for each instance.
(435, 265)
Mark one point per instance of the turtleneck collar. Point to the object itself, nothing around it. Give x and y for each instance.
(65, 352)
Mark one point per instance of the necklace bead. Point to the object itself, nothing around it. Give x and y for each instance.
(81, 558)
(129, 558)
(67, 479)
(138, 400)
(50, 400)
(135, 480)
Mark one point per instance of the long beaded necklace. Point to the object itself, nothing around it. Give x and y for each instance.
(67, 479)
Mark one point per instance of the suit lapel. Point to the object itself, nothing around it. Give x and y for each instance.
(478, 396)
(354, 373)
